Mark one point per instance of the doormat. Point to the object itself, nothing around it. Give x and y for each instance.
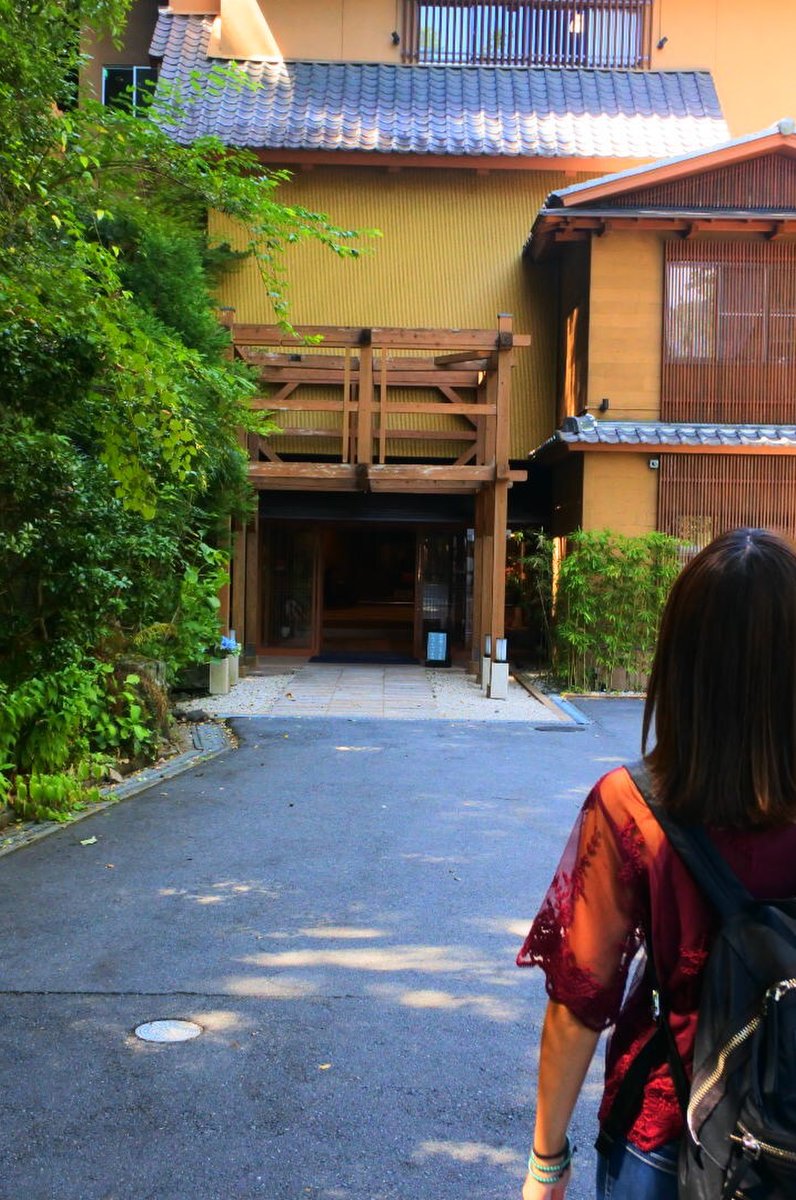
(381, 658)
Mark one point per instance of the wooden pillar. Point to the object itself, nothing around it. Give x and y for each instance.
(251, 635)
(238, 566)
(477, 645)
(226, 318)
(497, 542)
(500, 504)
(365, 413)
(492, 502)
(225, 595)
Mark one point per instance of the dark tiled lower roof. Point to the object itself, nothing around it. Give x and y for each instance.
(664, 435)
(440, 110)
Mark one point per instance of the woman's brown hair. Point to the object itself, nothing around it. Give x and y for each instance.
(722, 693)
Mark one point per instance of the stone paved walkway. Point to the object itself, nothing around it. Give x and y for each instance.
(286, 688)
(320, 689)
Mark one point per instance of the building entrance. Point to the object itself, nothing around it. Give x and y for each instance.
(368, 590)
(364, 589)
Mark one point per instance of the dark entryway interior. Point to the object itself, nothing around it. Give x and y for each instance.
(368, 593)
(365, 588)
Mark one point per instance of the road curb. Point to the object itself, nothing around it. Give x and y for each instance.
(569, 718)
(210, 738)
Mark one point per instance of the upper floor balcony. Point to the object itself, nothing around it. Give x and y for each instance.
(546, 33)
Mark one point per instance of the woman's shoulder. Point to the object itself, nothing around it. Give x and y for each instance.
(616, 791)
(622, 804)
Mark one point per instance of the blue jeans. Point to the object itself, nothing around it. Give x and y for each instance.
(632, 1174)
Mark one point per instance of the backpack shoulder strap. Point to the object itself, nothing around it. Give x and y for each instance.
(710, 872)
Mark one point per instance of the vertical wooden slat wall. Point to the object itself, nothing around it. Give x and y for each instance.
(702, 495)
(561, 33)
(770, 181)
(730, 332)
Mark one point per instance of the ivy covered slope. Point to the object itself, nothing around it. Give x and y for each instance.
(120, 413)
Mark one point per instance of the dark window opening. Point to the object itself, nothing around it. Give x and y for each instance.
(128, 87)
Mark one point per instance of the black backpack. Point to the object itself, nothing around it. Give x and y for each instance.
(740, 1107)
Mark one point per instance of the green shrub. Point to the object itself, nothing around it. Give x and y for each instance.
(610, 594)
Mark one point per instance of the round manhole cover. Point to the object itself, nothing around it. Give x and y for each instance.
(168, 1031)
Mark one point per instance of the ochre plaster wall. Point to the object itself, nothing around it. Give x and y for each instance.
(626, 312)
(748, 49)
(449, 257)
(354, 30)
(620, 492)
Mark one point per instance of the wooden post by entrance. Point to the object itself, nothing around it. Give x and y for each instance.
(251, 623)
(477, 646)
(238, 571)
(491, 506)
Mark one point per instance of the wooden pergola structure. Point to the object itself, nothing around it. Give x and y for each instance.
(383, 410)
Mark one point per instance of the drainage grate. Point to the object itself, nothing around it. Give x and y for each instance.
(168, 1031)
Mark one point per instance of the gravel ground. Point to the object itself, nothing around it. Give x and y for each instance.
(451, 695)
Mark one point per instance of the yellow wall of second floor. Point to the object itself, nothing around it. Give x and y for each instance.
(625, 323)
(748, 49)
(449, 257)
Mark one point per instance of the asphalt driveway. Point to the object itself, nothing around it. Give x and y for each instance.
(338, 904)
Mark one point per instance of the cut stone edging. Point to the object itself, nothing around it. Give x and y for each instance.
(210, 738)
(569, 717)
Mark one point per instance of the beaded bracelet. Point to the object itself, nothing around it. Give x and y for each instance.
(550, 1168)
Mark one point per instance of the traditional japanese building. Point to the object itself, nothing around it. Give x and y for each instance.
(450, 353)
(677, 409)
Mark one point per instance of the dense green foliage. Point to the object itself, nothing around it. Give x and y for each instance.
(120, 464)
(609, 598)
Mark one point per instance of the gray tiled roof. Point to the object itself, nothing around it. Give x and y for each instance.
(442, 110)
(663, 435)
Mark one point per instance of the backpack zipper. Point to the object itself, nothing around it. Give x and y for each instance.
(774, 993)
(755, 1147)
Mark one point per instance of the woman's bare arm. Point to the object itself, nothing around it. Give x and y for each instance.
(567, 1048)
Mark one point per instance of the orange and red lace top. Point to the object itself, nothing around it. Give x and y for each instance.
(619, 877)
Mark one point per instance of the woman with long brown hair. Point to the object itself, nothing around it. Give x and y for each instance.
(722, 706)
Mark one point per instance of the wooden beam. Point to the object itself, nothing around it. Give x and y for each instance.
(298, 405)
(417, 471)
(300, 374)
(265, 449)
(466, 456)
(394, 435)
(463, 356)
(302, 470)
(569, 165)
(461, 410)
(388, 337)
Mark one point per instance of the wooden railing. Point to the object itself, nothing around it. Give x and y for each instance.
(549, 33)
(382, 409)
